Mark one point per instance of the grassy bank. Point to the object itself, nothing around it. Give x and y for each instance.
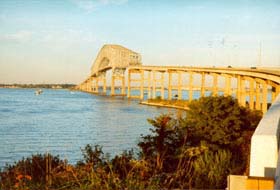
(178, 104)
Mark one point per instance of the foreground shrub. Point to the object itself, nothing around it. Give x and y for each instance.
(29, 171)
(212, 168)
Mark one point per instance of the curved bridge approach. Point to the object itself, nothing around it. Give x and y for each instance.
(253, 87)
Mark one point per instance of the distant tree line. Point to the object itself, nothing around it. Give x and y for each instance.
(37, 85)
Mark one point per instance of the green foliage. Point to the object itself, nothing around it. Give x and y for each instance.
(159, 148)
(219, 121)
(122, 164)
(211, 169)
(94, 157)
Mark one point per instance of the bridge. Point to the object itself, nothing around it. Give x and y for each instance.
(256, 88)
(252, 87)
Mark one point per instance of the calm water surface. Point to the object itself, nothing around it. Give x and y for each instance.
(61, 122)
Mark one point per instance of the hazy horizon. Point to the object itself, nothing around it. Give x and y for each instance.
(43, 42)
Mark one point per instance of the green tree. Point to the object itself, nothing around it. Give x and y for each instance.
(219, 121)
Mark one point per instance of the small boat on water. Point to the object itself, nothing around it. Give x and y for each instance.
(38, 92)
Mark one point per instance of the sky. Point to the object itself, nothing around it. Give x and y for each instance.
(43, 41)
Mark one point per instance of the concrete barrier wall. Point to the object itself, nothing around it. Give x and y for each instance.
(277, 175)
(265, 143)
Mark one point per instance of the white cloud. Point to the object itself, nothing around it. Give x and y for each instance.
(19, 36)
(68, 36)
(91, 5)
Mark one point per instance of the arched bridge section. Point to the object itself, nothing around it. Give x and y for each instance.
(110, 57)
(254, 87)
(114, 57)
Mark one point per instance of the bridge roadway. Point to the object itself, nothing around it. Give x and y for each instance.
(251, 86)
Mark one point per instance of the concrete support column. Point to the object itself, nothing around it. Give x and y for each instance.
(179, 85)
(202, 84)
(142, 85)
(238, 93)
(89, 85)
(251, 94)
(86, 86)
(93, 84)
(104, 84)
(123, 84)
(97, 84)
(169, 85)
(162, 85)
(215, 84)
(242, 93)
(227, 90)
(129, 83)
(190, 86)
(258, 94)
(149, 85)
(113, 85)
(264, 97)
(154, 84)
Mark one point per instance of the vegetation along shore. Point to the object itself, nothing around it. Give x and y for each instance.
(197, 150)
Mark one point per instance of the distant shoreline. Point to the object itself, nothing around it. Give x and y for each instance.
(49, 86)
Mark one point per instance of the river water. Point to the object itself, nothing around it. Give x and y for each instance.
(62, 122)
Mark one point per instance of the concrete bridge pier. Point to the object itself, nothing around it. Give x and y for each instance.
(202, 88)
(227, 89)
(158, 80)
(215, 84)
(149, 84)
(95, 85)
(135, 83)
(190, 85)
(101, 78)
(88, 85)
(118, 74)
